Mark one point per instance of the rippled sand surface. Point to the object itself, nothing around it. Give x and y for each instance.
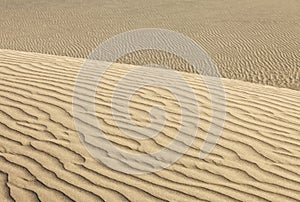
(257, 157)
(255, 45)
(256, 41)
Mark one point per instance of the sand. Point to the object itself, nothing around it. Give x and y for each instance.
(42, 158)
(255, 45)
(252, 40)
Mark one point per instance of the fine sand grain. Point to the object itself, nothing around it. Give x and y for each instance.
(249, 40)
(41, 157)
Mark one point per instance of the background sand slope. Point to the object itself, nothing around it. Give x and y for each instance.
(41, 157)
(250, 40)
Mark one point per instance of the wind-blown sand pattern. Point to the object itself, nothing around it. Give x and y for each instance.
(41, 157)
(250, 40)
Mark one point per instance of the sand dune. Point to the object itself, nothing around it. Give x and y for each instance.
(253, 40)
(42, 158)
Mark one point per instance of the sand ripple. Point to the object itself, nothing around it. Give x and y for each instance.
(42, 158)
(250, 40)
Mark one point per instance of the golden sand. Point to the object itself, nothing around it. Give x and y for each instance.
(42, 158)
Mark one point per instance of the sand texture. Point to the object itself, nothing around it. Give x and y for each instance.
(257, 157)
(251, 40)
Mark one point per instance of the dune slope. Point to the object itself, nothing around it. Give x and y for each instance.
(257, 157)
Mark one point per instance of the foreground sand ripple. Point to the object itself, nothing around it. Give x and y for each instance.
(41, 157)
